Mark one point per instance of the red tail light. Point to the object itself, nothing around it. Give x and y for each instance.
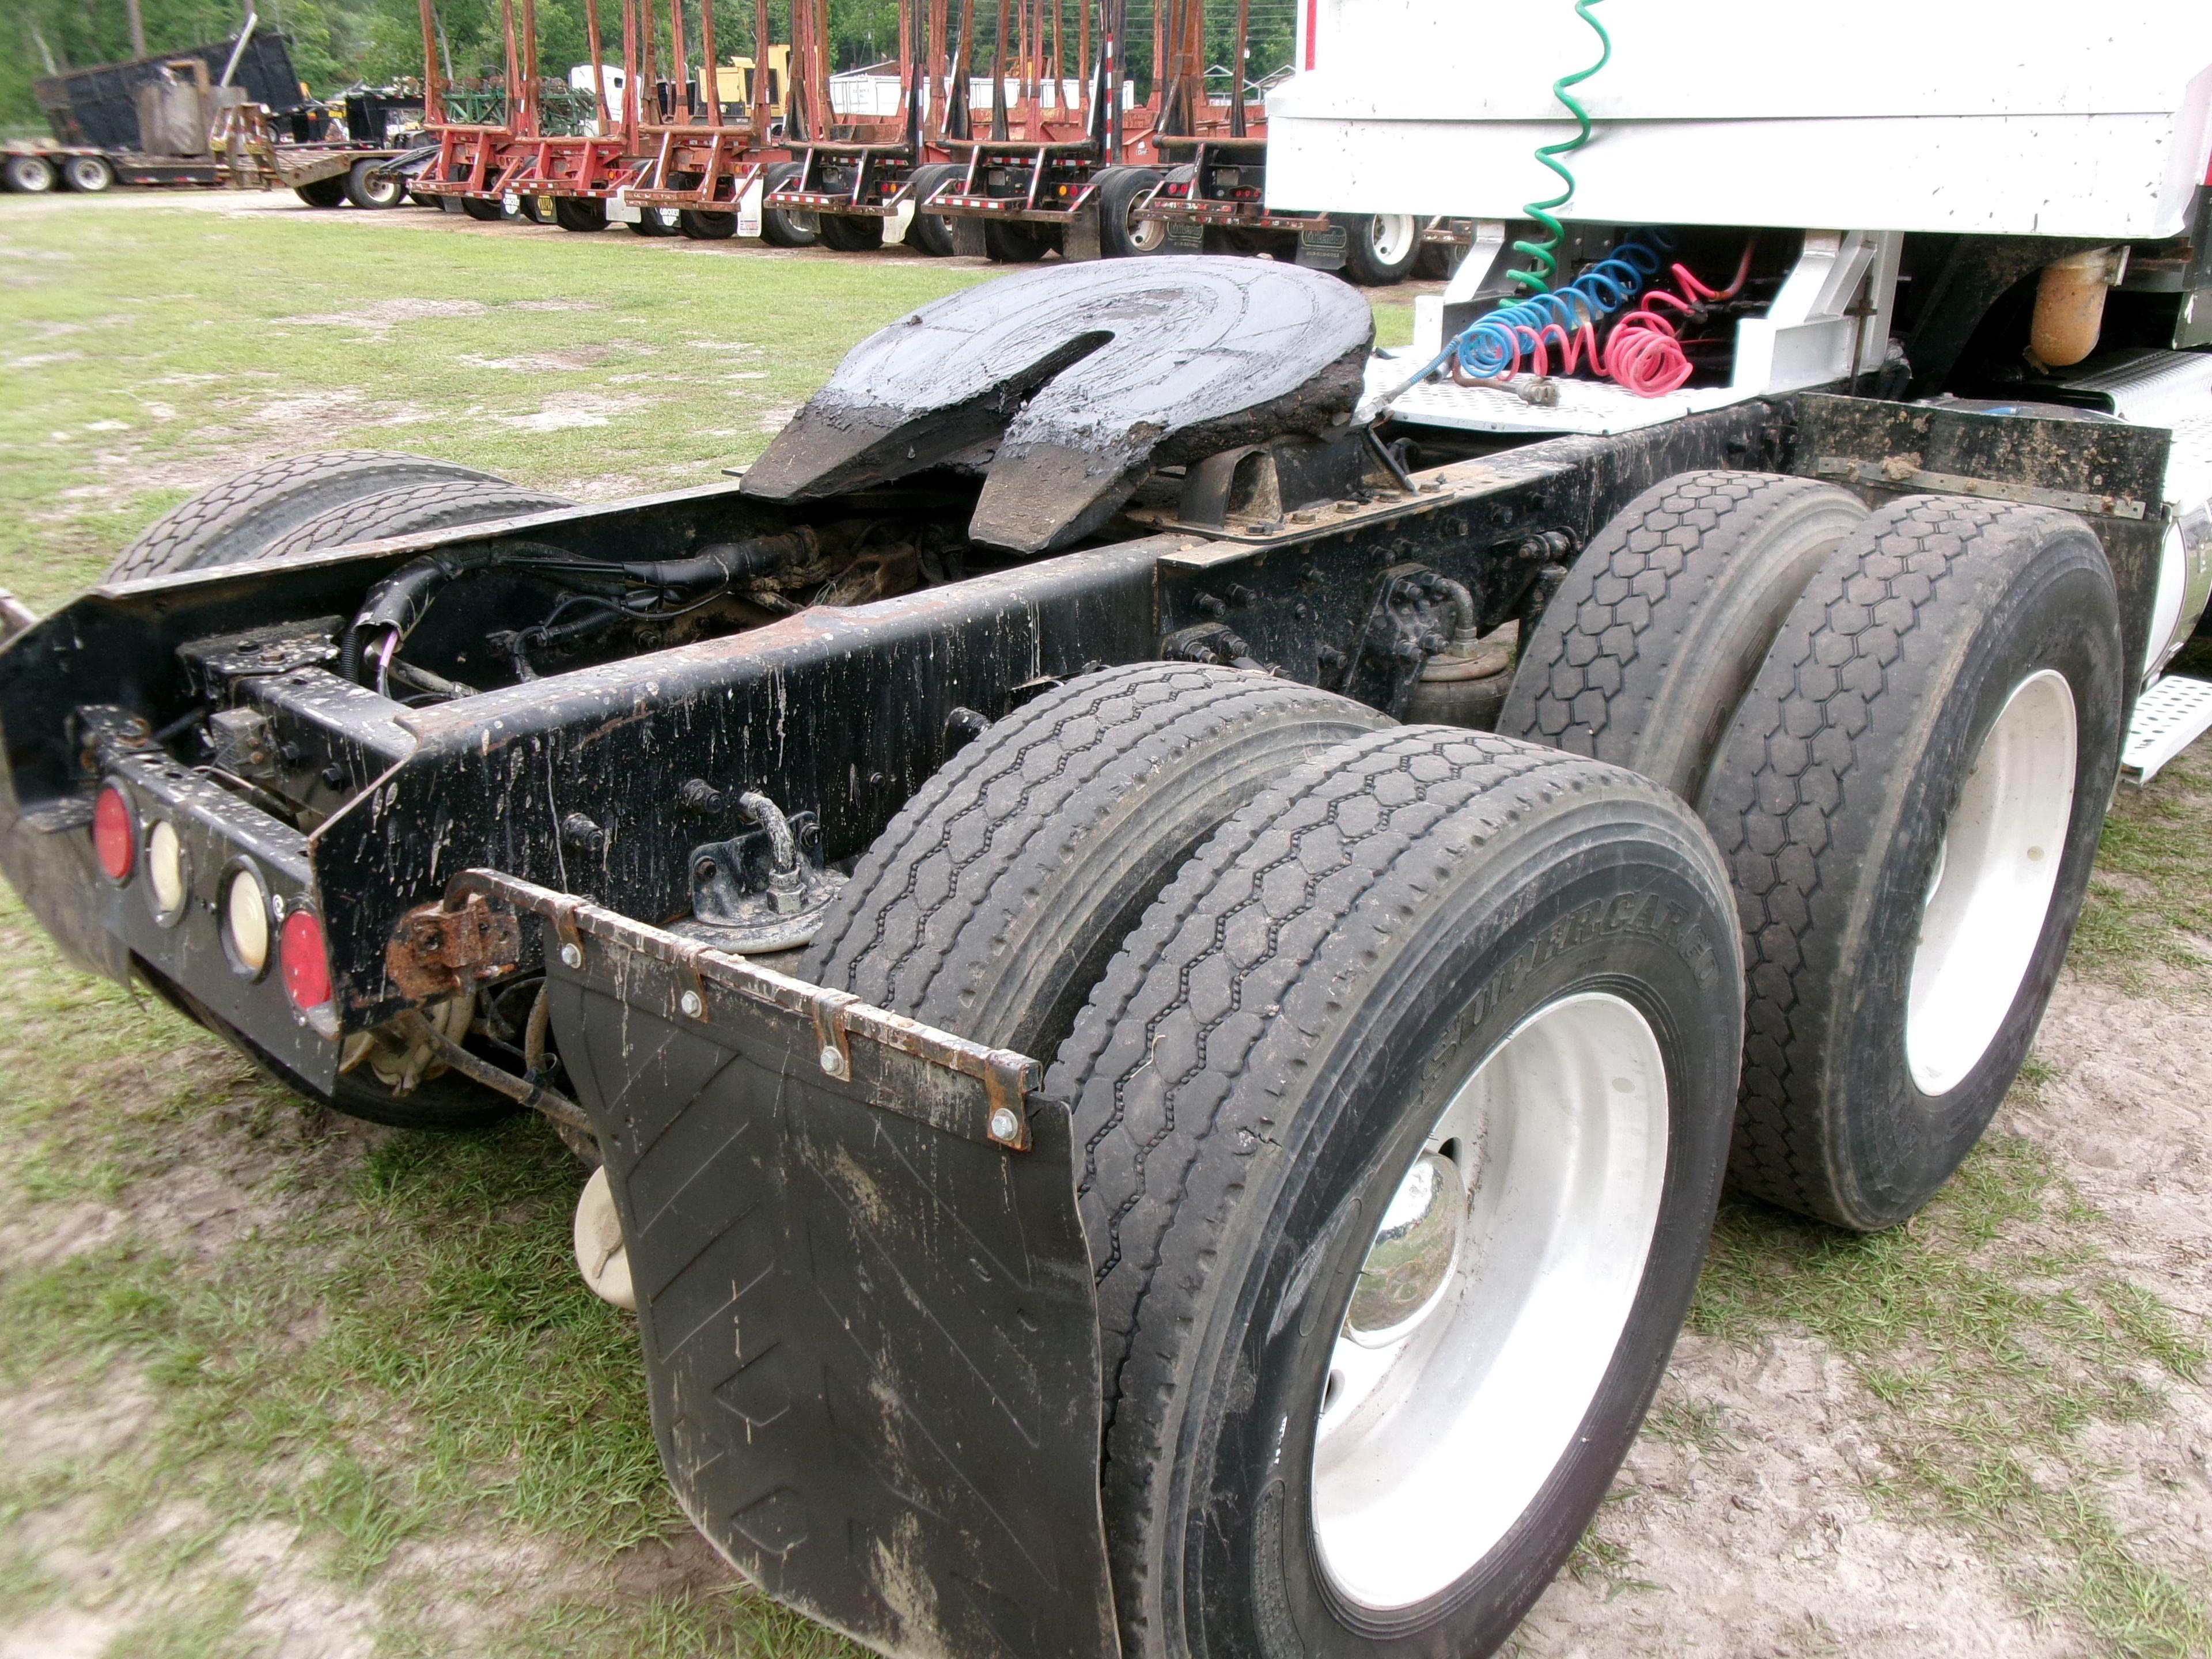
(304, 961)
(115, 832)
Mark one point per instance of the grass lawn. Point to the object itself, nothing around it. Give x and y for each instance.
(271, 1381)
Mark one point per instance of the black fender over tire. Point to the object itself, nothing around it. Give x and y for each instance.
(242, 517)
(1642, 654)
(994, 901)
(1254, 1075)
(1832, 798)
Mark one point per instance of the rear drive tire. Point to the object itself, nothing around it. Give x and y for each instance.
(1011, 242)
(852, 233)
(412, 509)
(1436, 1000)
(1380, 249)
(931, 234)
(994, 901)
(580, 213)
(1642, 654)
(242, 517)
(1909, 799)
(27, 175)
(371, 190)
(87, 175)
(780, 229)
(485, 210)
(1119, 237)
(323, 193)
(705, 225)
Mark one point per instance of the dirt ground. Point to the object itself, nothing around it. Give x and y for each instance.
(274, 1382)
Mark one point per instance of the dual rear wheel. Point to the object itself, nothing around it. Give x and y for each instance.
(1401, 1060)
(1406, 1063)
(1901, 728)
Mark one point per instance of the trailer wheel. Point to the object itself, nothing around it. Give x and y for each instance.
(580, 213)
(30, 175)
(1909, 799)
(994, 901)
(324, 192)
(656, 221)
(779, 226)
(485, 210)
(411, 509)
(705, 225)
(1121, 237)
(931, 234)
(1380, 249)
(1011, 242)
(241, 516)
(87, 175)
(368, 189)
(852, 233)
(1642, 654)
(1404, 1112)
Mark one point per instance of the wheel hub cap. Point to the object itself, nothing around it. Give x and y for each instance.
(1492, 1299)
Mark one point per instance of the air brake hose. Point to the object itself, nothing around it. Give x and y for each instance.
(1545, 251)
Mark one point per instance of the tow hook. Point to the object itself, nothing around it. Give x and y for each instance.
(762, 890)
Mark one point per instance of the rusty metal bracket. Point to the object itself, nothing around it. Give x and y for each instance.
(443, 949)
(851, 1038)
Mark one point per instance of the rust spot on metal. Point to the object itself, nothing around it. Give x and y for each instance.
(438, 952)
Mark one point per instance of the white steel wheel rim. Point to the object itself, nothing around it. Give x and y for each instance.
(1391, 236)
(88, 174)
(1437, 1432)
(34, 176)
(1990, 894)
(1147, 234)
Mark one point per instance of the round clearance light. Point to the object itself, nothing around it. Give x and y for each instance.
(114, 832)
(246, 921)
(169, 881)
(306, 961)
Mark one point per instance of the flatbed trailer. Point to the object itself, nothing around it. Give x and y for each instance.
(1163, 929)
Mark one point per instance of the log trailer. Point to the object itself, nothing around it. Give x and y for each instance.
(1161, 931)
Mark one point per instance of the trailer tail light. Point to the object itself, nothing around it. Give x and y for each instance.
(115, 833)
(168, 878)
(304, 959)
(246, 921)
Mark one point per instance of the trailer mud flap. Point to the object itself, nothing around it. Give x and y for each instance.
(870, 1333)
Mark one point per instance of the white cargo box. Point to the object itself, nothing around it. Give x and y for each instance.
(2029, 119)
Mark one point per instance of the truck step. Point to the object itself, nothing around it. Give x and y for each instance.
(2169, 717)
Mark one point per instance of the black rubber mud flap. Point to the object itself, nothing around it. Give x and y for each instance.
(1063, 386)
(871, 1338)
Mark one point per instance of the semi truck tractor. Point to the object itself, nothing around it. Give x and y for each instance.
(1160, 930)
